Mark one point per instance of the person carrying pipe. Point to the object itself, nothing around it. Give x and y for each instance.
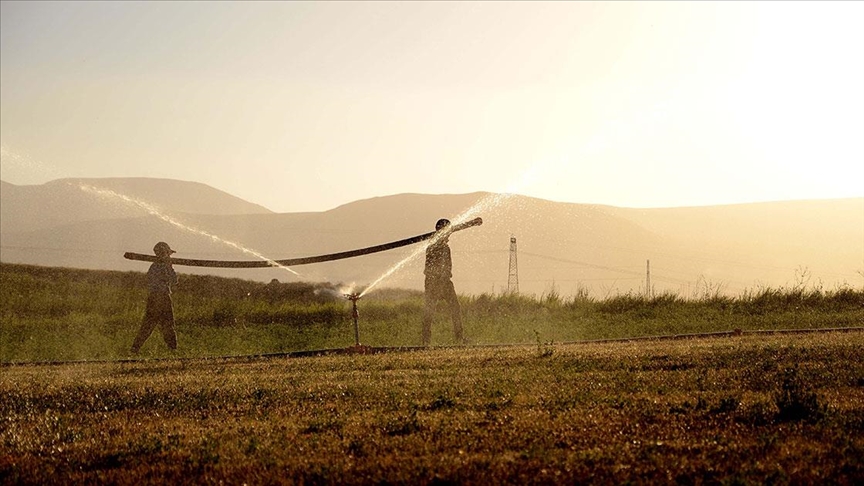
(160, 309)
(438, 284)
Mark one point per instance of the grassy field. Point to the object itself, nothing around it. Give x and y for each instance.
(547, 407)
(56, 314)
(736, 410)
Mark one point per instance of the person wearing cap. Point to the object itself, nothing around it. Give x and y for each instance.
(160, 309)
(438, 284)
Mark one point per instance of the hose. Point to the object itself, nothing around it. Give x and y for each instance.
(291, 262)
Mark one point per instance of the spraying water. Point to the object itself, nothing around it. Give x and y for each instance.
(168, 219)
(26, 167)
(413, 255)
(481, 205)
(22, 161)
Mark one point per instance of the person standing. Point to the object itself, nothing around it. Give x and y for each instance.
(161, 278)
(438, 284)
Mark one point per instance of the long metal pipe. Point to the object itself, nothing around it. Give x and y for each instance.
(291, 262)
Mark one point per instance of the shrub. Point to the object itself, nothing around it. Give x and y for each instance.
(796, 400)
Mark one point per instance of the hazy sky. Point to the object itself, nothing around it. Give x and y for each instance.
(305, 106)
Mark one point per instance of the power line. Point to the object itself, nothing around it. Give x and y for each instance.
(650, 251)
(584, 264)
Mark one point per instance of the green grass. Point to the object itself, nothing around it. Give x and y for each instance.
(751, 409)
(57, 314)
(736, 410)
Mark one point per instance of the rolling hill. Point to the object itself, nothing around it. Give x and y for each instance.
(65, 201)
(562, 247)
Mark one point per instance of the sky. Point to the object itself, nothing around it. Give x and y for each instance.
(304, 106)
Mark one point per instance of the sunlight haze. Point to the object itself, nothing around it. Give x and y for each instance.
(304, 106)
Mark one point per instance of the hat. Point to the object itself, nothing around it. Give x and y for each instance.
(162, 248)
(441, 224)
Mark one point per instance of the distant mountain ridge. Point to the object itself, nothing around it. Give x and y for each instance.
(562, 247)
(63, 201)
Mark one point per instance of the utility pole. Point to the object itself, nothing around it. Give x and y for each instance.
(648, 278)
(513, 274)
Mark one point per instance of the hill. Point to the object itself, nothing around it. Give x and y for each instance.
(65, 201)
(562, 247)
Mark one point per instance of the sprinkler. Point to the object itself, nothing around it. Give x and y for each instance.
(355, 315)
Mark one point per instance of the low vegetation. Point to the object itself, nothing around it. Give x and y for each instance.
(735, 410)
(56, 314)
(549, 405)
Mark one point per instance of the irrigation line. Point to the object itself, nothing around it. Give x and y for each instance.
(401, 349)
(291, 262)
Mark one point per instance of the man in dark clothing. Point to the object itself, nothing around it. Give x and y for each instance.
(160, 309)
(439, 287)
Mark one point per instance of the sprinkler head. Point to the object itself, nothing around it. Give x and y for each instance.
(353, 297)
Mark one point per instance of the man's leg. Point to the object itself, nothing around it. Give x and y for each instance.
(455, 314)
(457, 326)
(168, 334)
(147, 326)
(428, 316)
(166, 321)
(151, 316)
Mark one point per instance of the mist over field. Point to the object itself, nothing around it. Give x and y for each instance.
(562, 248)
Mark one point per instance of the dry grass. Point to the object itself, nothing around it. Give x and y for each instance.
(747, 409)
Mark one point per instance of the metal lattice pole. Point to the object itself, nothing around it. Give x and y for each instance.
(513, 274)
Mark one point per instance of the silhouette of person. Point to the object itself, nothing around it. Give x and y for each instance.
(438, 284)
(160, 309)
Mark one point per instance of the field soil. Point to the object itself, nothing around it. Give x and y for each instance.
(777, 409)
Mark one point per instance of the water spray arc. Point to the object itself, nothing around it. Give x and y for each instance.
(484, 203)
(353, 297)
(152, 210)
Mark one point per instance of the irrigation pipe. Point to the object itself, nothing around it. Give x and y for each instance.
(291, 262)
(397, 349)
